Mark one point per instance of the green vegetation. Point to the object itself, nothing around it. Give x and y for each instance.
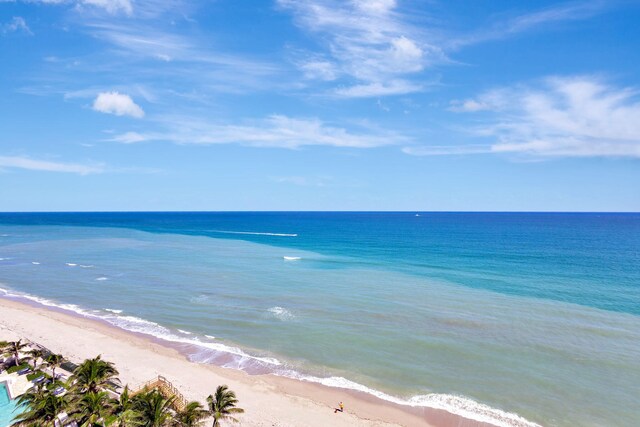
(13, 349)
(32, 376)
(222, 405)
(16, 368)
(88, 400)
(54, 361)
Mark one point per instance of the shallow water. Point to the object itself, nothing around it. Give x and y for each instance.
(535, 316)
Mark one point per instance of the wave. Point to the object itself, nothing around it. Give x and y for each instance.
(254, 233)
(35, 263)
(185, 332)
(210, 337)
(113, 310)
(102, 279)
(457, 405)
(70, 264)
(281, 313)
(291, 258)
(200, 299)
(86, 266)
(209, 352)
(239, 359)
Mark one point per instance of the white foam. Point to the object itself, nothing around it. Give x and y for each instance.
(200, 299)
(185, 332)
(457, 405)
(281, 313)
(210, 337)
(70, 264)
(35, 263)
(112, 310)
(291, 258)
(101, 279)
(255, 233)
(5, 259)
(86, 266)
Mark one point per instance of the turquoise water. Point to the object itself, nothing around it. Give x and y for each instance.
(7, 407)
(487, 315)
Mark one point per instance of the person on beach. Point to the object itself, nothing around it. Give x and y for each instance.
(340, 409)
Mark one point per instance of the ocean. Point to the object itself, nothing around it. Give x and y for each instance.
(513, 318)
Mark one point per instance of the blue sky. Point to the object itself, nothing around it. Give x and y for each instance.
(319, 105)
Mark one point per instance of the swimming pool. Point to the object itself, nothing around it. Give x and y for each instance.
(7, 406)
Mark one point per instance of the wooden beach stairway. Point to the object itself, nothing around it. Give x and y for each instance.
(165, 388)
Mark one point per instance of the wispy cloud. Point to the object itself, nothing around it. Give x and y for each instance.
(112, 6)
(19, 162)
(569, 11)
(368, 42)
(141, 8)
(17, 24)
(580, 116)
(275, 131)
(446, 150)
(118, 104)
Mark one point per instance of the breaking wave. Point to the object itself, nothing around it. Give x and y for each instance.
(281, 313)
(207, 351)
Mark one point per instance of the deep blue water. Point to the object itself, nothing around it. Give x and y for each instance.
(591, 259)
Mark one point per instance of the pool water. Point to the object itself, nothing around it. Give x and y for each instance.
(7, 407)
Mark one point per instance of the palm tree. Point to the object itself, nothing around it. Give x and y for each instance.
(40, 408)
(13, 348)
(222, 405)
(92, 409)
(191, 416)
(93, 375)
(34, 355)
(124, 414)
(54, 361)
(154, 409)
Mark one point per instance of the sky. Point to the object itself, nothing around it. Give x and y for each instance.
(422, 105)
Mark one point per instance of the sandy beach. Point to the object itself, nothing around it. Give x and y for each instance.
(267, 399)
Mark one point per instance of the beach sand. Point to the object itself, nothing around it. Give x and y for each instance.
(268, 400)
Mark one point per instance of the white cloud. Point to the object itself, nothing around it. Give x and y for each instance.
(375, 6)
(393, 87)
(15, 25)
(128, 138)
(48, 166)
(368, 41)
(565, 116)
(468, 106)
(112, 6)
(568, 11)
(275, 131)
(320, 70)
(118, 104)
(446, 150)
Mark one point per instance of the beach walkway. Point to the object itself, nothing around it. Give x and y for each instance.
(165, 388)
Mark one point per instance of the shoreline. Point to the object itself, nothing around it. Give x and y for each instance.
(269, 399)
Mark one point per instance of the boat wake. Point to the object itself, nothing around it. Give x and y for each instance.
(254, 233)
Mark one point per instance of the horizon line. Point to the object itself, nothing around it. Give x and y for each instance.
(320, 211)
